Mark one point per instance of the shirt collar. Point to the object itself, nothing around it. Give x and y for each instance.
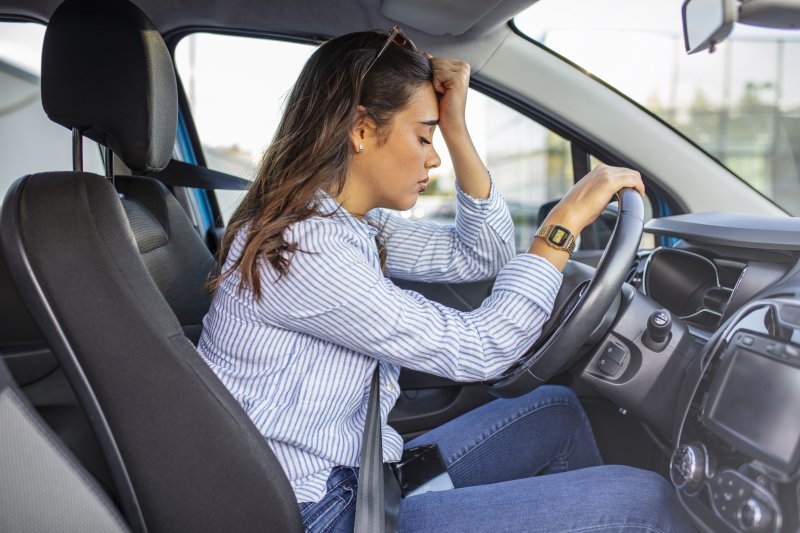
(328, 205)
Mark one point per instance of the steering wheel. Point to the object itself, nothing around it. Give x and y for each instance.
(583, 310)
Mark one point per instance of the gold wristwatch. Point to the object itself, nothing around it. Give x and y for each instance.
(558, 237)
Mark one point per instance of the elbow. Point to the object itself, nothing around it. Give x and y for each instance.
(504, 251)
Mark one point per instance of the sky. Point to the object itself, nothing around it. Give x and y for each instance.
(637, 46)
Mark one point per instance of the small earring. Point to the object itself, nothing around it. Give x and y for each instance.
(360, 148)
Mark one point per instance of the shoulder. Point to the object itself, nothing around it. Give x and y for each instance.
(330, 244)
(321, 233)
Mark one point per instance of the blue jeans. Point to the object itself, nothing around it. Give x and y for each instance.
(500, 457)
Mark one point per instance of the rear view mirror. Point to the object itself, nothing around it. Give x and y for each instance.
(706, 23)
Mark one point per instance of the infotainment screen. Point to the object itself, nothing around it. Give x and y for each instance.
(757, 403)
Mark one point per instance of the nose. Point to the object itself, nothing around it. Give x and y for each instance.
(433, 160)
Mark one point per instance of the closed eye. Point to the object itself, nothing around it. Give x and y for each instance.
(423, 140)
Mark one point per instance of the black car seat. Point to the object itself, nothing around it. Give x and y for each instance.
(44, 486)
(182, 453)
(172, 250)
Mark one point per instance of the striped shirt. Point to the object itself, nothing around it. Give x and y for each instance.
(300, 359)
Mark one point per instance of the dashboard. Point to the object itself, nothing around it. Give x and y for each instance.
(721, 262)
(733, 281)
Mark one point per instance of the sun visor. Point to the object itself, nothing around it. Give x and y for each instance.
(453, 17)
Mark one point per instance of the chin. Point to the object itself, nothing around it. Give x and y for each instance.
(401, 204)
(408, 204)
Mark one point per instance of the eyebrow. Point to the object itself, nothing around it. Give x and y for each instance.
(434, 122)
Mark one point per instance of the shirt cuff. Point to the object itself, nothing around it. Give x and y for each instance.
(473, 213)
(532, 277)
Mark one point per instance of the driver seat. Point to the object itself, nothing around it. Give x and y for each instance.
(182, 453)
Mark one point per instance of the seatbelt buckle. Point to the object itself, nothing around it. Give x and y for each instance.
(421, 469)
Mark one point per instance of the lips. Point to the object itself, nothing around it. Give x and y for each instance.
(423, 184)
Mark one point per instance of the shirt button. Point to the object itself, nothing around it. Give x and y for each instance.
(389, 387)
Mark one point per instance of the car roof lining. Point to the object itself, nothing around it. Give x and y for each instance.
(453, 17)
(468, 29)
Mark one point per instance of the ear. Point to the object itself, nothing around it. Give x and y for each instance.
(363, 128)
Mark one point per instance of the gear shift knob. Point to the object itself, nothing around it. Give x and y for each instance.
(657, 334)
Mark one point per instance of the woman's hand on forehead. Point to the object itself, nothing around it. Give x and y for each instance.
(451, 80)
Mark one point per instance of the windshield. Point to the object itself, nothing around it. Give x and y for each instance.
(741, 104)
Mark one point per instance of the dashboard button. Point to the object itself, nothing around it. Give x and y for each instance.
(608, 367)
(615, 352)
(773, 348)
(747, 340)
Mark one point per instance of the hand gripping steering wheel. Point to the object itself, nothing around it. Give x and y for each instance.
(583, 310)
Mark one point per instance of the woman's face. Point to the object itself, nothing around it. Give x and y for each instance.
(394, 172)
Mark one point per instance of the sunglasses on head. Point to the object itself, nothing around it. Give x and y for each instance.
(397, 37)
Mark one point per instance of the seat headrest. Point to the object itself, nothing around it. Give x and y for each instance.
(107, 72)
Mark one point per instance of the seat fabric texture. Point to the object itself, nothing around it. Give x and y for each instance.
(175, 256)
(44, 487)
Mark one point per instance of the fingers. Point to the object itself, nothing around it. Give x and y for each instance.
(612, 179)
(449, 73)
(587, 198)
(625, 177)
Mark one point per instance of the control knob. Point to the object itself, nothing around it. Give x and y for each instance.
(687, 468)
(659, 326)
(755, 516)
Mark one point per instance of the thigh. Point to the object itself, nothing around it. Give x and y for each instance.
(335, 512)
(596, 499)
(545, 431)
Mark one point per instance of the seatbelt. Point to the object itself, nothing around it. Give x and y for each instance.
(378, 496)
(180, 174)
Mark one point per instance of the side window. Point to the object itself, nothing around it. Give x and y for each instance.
(29, 141)
(237, 87)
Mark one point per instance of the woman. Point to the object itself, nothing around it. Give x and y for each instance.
(303, 309)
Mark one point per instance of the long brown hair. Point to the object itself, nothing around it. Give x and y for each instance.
(311, 149)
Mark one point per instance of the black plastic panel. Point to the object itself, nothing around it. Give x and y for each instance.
(731, 229)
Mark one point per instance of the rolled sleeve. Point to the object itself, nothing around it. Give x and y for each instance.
(475, 216)
(531, 277)
(474, 248)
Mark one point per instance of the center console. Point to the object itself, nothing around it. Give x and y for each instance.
(736, 462)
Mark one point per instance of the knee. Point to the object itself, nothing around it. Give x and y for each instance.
(551, 394)
(648, 495)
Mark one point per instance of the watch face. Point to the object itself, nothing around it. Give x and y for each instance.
(559, 235)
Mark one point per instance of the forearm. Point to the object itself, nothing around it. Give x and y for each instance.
(557, 258)
(582, 204)
(474, 249)
(471, 173)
